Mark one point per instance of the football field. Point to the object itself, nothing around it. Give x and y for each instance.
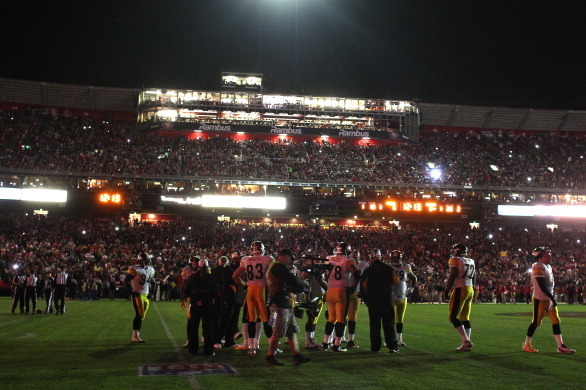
(89, 348)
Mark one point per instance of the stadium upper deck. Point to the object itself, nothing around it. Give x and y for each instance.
(491, 150)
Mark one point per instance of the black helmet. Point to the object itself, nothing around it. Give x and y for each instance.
(459, 250)
(396, 256)
(343, 248)
(257, 247)
(539, 252)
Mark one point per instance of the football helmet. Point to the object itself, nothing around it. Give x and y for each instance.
(145, 257)
(257, 247)
(343, 248)
(459, 250)
(396, 256)
(538, 252)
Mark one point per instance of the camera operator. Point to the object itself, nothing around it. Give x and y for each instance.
(281, 286)
(315, 276)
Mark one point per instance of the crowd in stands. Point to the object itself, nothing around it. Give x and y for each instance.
(37, 142)
(97, 251)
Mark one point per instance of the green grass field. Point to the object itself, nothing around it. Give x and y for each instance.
(89, 347)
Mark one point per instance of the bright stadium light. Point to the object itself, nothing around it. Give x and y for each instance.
(435, 173)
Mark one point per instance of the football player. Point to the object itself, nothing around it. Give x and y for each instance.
(354, 300)
(544, 300)
(338, 278)
(137, 282)
(403, 272)
(462, 280)
(256, 267)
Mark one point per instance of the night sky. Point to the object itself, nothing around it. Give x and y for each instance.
(482, 52)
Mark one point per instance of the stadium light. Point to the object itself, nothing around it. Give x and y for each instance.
(435, 173)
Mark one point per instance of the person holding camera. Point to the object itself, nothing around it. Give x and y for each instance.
(201, 289)
(282, 284)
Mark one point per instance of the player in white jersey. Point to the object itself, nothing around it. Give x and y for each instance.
(543, 300)
(404, 273)
(462, 279)
(255, 267)
(137, 282)
(336, 296)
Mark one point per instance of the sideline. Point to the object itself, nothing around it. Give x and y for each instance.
(194, 384)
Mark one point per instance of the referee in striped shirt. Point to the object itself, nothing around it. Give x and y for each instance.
(61, 278)
(18, 291)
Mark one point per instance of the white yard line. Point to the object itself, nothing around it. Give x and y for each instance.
(192, 378)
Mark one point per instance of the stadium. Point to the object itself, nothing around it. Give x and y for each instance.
(90, 176)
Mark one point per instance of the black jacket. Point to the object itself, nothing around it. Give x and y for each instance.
(376, 283)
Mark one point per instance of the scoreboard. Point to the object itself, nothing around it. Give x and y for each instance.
(423, 207)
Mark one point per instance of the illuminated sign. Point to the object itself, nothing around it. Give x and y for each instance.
(571, 211)
(110, 198)
(421, 207)
(33, 195)
(234, 202)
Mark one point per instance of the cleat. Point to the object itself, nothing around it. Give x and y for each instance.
(137, 341)
(233, 346)
(393, 351)
(325, 346)
(252, 352)
(218, 346)
(375, 352)
(300, 359)
(564, 349)
(337, 348)
(241, 347)
(272, 361)
(278, 351)
(465, 347)
(401, 344)
(529, 348)
(352, 344)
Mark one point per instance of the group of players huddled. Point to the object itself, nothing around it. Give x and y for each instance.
(271, 298)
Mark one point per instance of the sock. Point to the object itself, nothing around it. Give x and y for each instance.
(558, 338)
(467, 328)
(245, 333)
(257, 337)
(527, 340)
(462, 333)
(399, 337)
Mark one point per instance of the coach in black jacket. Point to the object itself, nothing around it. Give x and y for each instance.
(376, 289)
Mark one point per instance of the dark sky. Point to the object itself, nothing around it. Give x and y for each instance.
(484, 52)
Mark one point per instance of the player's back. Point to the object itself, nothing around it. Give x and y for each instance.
(256, 267)
(338, 276)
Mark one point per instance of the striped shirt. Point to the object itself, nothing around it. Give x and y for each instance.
(19, 280)
(61, 278)
(31, 281)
